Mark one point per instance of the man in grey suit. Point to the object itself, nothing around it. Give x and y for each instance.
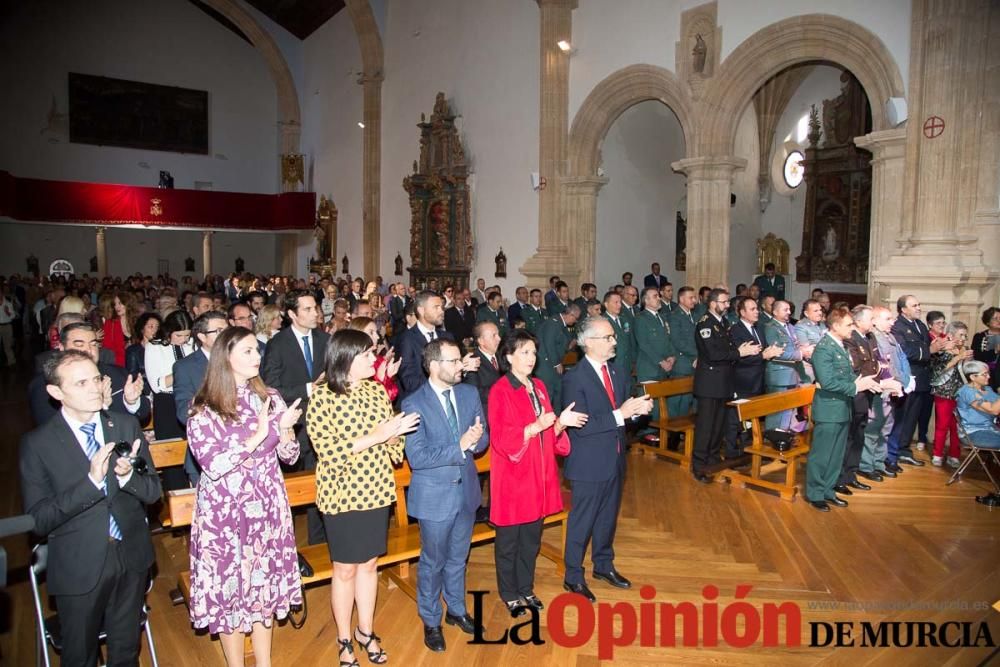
(786, 371)
(444, 493)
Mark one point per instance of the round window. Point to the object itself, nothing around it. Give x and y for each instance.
(793, 170)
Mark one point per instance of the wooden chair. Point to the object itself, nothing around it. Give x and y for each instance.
(666, 424)
(755, 410)
(167, 454)
(975, 454)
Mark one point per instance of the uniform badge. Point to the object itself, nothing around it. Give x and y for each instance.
(705, 333)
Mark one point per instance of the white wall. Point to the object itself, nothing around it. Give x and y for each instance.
(333, 103)
(636, 210)
(484, 57)
(131, 250)
(785, 212)
(745, 225)
(167, 42)
(611, 35)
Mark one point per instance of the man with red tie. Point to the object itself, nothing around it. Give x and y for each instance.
(595, 466)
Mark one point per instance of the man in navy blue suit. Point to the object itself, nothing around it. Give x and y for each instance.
(654, 279)
(444, 491)
(596, 464)
(189, 373)
(430, 318)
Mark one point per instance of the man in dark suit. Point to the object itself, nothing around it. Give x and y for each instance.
(397, 308)
(914, 339)
(122, 392)
(293, 364)
(430, 316)
(99, 546)
(748, 371)
(444, 493)
(460, 319)
(487, 339)
(595, 466)
(520, 304)
(654, 279)
(189, 373)
(770, 284)
(713, 382)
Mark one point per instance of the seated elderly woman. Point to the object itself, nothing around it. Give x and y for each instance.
(978, 406)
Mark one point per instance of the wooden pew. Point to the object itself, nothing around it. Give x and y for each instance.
(403, 543)
(666, 424)
(754, 410)
(167, 454)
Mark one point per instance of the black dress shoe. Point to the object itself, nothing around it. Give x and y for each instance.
(837, 502)
(516, 607)
(305, 569)
(871, 476)
(911, 461)
(990, 500)
(433, 639)
(613, 578)
(534, 602)
(843, 490)
(463, 622)
(892, 467)
(580, 589)
(702, 477)
(891, 474)
(483, 515)
(820, 505)
(860, 486)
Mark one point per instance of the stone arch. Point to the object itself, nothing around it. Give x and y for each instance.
(610, 98)
(794, 40)
(605, 103)
(290, 116)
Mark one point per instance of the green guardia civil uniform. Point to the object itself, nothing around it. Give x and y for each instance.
(553, 342)
(832, 408)
(625, 349)
(532, 317)
(654, 344)
(498, 317)
(682, 326)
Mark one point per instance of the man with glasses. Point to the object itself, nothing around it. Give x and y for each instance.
(713, 382)
(189, 373)
(240, 314)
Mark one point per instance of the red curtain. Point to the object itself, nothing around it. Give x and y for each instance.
(38, 200)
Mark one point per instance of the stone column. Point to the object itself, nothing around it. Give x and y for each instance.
(939, 255)
(554, 236)
(887, 148)
(102, 252)
(709, 189)
(206, 251)
(580, 206)
(371, 175)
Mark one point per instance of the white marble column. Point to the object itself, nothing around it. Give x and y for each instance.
(206, 251)
(102, 252)
(580, 220)
(709, 189)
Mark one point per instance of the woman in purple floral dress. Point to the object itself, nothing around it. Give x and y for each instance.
(244, 567)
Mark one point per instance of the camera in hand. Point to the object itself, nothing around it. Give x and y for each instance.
(124, 450)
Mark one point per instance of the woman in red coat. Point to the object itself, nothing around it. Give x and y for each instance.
(525, 437)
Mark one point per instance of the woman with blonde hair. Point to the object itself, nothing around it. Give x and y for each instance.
(68, 304)
(268, 323)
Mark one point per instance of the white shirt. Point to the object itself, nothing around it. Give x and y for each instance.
(426, 332)
(160, 363)
(81, 439)
(596, 365)
(299, 335)
(751, 330)
(439, 392)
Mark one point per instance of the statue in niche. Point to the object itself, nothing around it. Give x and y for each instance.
(830, 252)
(680, 252)
(93, 264)
(699, 54)
(319, 231)
(32, 263)
(189, 265)
(399, 264)
(344, 266)
(501, 262)
(239, 265)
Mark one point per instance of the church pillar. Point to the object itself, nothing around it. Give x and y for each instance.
(206, 251)
(580, 213)
(887, 148)
(709, 192)
(102, 252)
(939, 254)
(555, 234)
(371, 175)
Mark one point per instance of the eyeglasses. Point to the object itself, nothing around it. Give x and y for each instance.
(610, 338)
(215, 331)
(450, 361)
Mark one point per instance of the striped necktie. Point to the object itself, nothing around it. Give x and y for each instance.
(92, 448)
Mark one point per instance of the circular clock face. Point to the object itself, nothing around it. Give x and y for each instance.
(793, 171)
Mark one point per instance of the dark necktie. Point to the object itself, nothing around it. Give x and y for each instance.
(307, 351)
(496, 366)
(431, 335)
(450, 412)
(92, 448)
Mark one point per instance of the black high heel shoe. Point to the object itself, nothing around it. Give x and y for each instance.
(349, 645)
(378, 657)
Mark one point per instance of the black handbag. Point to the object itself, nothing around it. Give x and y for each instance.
(781, 439)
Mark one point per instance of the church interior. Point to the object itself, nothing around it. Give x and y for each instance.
(179, 149)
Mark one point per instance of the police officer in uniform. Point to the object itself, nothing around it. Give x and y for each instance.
(713, 381)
